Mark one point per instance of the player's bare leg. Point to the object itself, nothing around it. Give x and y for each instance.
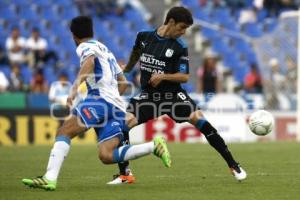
(70, 128)
(216, 141)
(125, 173)
(110, 153)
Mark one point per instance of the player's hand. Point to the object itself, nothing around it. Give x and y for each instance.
(70, 99)
(156, 79)
(122, 66)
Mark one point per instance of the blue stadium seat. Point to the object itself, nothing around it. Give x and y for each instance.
(8, 14)
(69, 13)
(3, 36)
(248, 3)
(253, 29)
(190, 3)
(64, 3)
(210, 33)
(50, 14)
(20, 2)
(220, 45)
(49, 73)
(240, 72)
(261, 15)
(230, 59)
(132, 15)
(241, 45)
(101, 31)
(2, 29)
(270, 24)
(38, 101)
(202, 15)
(6, 70)
(221, 15)
(231, 25)
(26, 73)
(43, 3)
(27, 14)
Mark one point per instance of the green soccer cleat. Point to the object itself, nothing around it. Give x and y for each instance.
(161, 150)
(40, 182)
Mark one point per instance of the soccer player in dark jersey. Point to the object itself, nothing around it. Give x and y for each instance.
(164, 65)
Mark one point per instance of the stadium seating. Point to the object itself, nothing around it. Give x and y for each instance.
(234, 48)
(52, 18)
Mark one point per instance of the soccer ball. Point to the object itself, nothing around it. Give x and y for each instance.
(261, 122)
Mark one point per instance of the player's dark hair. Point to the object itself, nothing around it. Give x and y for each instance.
(82, 27)
(179, 14)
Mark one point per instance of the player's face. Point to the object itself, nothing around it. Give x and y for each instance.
(179, 29)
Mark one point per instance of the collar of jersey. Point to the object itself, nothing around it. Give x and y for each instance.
(92, 41)
(159, 37)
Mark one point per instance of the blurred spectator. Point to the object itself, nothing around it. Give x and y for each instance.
(278, 79)
(235, 4)
(59, 90)
(208, 75)
(15, 46)
(274, 7)
(16, 79)
(136, 5)
(3, 82)
(3, 56)
(104, 7)
(252, 81)
(291, 76)
(84, 7)
(248, 15)
(38, 49)
(38, 83)
(212, 4)
(258, 4)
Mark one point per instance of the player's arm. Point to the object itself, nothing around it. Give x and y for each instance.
(134, 54)
(180, 76)
(156, 79)
(86, 69)
(122, 83)
(133, 59)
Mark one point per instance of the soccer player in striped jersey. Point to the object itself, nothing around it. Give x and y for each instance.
(103, 109)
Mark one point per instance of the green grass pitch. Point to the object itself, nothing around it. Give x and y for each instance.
(197, 173)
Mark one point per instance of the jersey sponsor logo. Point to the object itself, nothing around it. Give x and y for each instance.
(149, 59)
(184, 58)
(153, 71)
(169, 53)
(87, 113)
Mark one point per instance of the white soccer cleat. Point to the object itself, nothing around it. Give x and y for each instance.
(238, 173)
(122, 179)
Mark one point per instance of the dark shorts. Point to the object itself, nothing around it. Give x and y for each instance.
(147, 106)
